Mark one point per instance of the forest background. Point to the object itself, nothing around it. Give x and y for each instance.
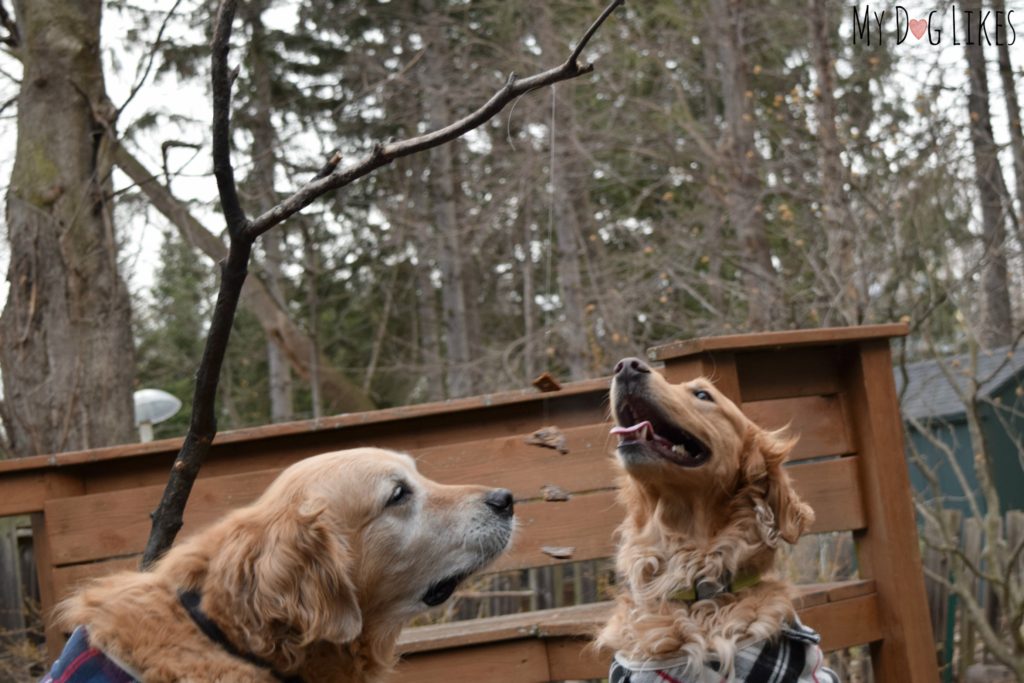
(729, 166)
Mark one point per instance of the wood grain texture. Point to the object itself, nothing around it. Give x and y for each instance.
(101, 526)
(788, 373)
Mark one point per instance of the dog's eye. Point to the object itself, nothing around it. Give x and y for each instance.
(400, 493)
(704, 395)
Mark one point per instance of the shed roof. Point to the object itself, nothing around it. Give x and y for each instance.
(930, 393)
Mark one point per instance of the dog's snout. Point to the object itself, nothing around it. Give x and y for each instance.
(500, 500)
(631, 367)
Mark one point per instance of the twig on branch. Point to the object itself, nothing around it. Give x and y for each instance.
(384, 153)
(142, 73)
(167, 518)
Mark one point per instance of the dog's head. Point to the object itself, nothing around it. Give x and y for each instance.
(686, 444)
(344, 541)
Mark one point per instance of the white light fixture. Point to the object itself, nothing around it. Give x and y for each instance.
(153, 406)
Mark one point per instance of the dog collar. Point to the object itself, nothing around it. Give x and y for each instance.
(707, 589)
(190, 601)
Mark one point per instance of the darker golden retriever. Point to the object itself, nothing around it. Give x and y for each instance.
(311, 582)
(708, 503)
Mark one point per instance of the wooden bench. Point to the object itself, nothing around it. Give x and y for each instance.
(834, 386)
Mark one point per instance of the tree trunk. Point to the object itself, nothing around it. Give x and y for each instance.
(428, 323)
(261, 186)
(743, 185)
(66, 349)
(311, 273)
(996, 319)
(846, 304)
(1016, 133)
(442, 189)
(572, 328)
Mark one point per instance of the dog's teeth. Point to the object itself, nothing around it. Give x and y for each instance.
(681, 450)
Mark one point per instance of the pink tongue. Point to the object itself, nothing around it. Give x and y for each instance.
(632, 430)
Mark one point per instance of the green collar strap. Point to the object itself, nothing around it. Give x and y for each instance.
(705, 590)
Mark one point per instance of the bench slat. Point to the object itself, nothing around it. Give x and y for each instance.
(772, 374)
(846, 613)
(101, 526)
(819, 421)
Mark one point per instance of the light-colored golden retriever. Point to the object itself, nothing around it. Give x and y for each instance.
(707, 504)
(315, 578)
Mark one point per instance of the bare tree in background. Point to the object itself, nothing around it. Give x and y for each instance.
(840, 229)
(997, 316)
(260, 185)
(743, 182)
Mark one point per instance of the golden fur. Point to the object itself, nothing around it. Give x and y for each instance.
(316, 577)
(682, 523)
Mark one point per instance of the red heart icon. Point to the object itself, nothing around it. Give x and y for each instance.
(918, 27)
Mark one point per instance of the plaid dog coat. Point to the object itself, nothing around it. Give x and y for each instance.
(80, 662)
(792, 658)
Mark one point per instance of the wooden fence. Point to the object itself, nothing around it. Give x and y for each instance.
(954, 634)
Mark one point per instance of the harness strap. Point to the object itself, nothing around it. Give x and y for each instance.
(190, 601)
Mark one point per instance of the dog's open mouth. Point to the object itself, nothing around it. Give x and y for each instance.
(642, 426)
(443, 589)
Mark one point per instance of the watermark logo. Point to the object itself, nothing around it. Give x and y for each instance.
(877, 25)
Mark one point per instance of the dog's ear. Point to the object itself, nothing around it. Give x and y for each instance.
(302, 579)
(786, 513)
(286, 575)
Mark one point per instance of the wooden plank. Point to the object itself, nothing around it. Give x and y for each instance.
(67, 579)
(585, 523)
(516, 661)
(888, 550)
(22, 493)
(560, 621)
(573, 659)
(788, 373)
(790, 338)
(819, 421)
(101, 526)
(55, 484)
(832, 489)
(581, 620)
(524, 469)
(846, 623)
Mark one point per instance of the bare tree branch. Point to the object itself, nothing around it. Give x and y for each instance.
(223, 78)
(143, 73)
(167, 518)
(384, 153)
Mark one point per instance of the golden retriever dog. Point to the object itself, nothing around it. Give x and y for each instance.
(311, 582)
(707, 504)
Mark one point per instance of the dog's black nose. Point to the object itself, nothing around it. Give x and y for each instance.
(500, 500)
(631, 367)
